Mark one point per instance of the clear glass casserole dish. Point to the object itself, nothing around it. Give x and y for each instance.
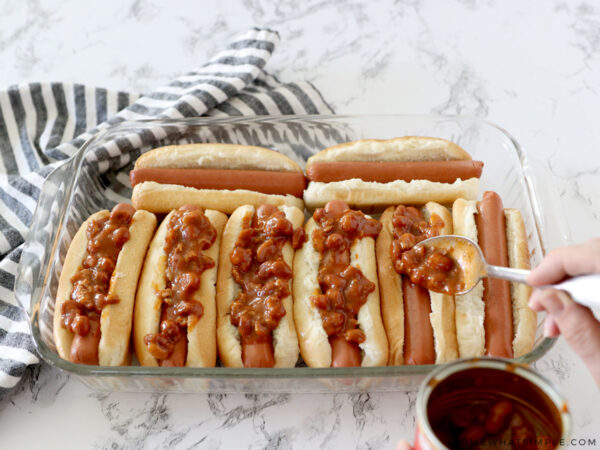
(83, 185)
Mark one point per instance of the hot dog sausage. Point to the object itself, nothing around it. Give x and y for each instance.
(179, 352)
(84, 349)
(178, 355)
(418, 340)
(384, 172)
(258, 354)
(498, 321)
(409, 227)
(344, 353)
(267, 182)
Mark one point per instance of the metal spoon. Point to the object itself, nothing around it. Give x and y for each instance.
(466, 253)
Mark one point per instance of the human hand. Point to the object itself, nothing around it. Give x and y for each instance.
(403, 445)
(576, 323)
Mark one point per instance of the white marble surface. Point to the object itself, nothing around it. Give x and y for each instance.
(531, 67)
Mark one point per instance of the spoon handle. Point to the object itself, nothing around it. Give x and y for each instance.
(506, 273)
(584, 289)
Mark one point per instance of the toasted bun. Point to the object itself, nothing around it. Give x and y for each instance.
(162, 198)
(314, 342)
(202, 348)
(392, 305)
(216, 156)
(407, 148)
(524, 318)
(470, 331)
(285, 342)
(373, 196)
(116, 319)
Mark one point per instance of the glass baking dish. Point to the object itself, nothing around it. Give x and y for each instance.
(84, 185)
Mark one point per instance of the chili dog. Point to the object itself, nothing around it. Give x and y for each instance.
(255, 325)
(175, 312)
(215, 176)
(375, 173)
(96, 291)
(494, 319)
(419, 323)
(336, 294)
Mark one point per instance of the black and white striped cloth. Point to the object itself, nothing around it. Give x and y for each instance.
(43, 124)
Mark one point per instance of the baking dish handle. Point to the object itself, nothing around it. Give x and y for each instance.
(42, 236)
(548, 209)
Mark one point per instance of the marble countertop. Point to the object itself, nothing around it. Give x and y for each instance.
(531, 67)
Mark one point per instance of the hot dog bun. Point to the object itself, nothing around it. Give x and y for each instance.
(407, 148)
(524, 318)
(162, 198)
(470, 307)
(201, 338)
(285, 341)
(116, 318)
(233, 160)
(216, 156)
(442, 305)
(372, 195)
(314, 344)
(392, 304)
(470, 332)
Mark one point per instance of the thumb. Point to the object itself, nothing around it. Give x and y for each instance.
(577, 324)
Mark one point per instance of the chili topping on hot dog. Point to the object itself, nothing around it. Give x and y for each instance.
(263, 276)
(189, 233)
(91, 284)
(430, 268)
(344, 288)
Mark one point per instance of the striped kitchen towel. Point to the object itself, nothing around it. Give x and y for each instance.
(43, 124)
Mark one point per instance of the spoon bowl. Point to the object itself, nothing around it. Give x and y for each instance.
(468, 256)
